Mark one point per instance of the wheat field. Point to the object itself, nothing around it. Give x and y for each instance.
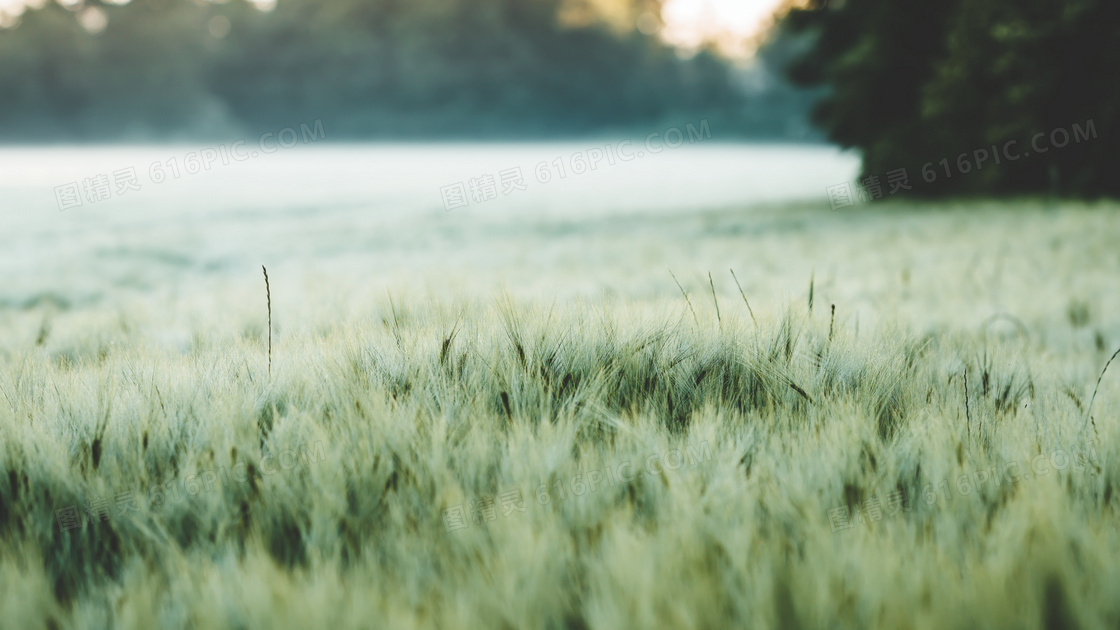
(888, 418)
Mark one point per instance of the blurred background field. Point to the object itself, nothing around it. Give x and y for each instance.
(374, 215)
(344, 228)
(346, 225)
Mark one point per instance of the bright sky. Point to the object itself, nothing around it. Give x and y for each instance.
(689, 22)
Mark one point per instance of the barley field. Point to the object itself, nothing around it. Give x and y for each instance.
(889, 416)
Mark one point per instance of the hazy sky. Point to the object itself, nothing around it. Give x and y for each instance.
(688, 22)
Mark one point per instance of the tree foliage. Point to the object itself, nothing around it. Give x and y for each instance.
(932, 87)
(372, 68)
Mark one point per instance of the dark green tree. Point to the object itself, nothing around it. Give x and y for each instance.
(941, 88)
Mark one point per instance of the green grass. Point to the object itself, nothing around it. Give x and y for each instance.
(398, 415)
(678, 466)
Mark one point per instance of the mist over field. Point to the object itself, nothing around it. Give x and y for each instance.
(558, 314)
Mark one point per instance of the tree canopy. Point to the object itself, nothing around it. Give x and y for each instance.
(367, 68)
(976, 97)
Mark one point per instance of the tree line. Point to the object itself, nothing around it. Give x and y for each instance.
(159, 69)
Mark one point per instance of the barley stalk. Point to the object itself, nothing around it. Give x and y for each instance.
(749, 310)
(812, 274)
(967, 412)
(688, 301)
(1089, 412)
(713, 285)
(268, 299)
